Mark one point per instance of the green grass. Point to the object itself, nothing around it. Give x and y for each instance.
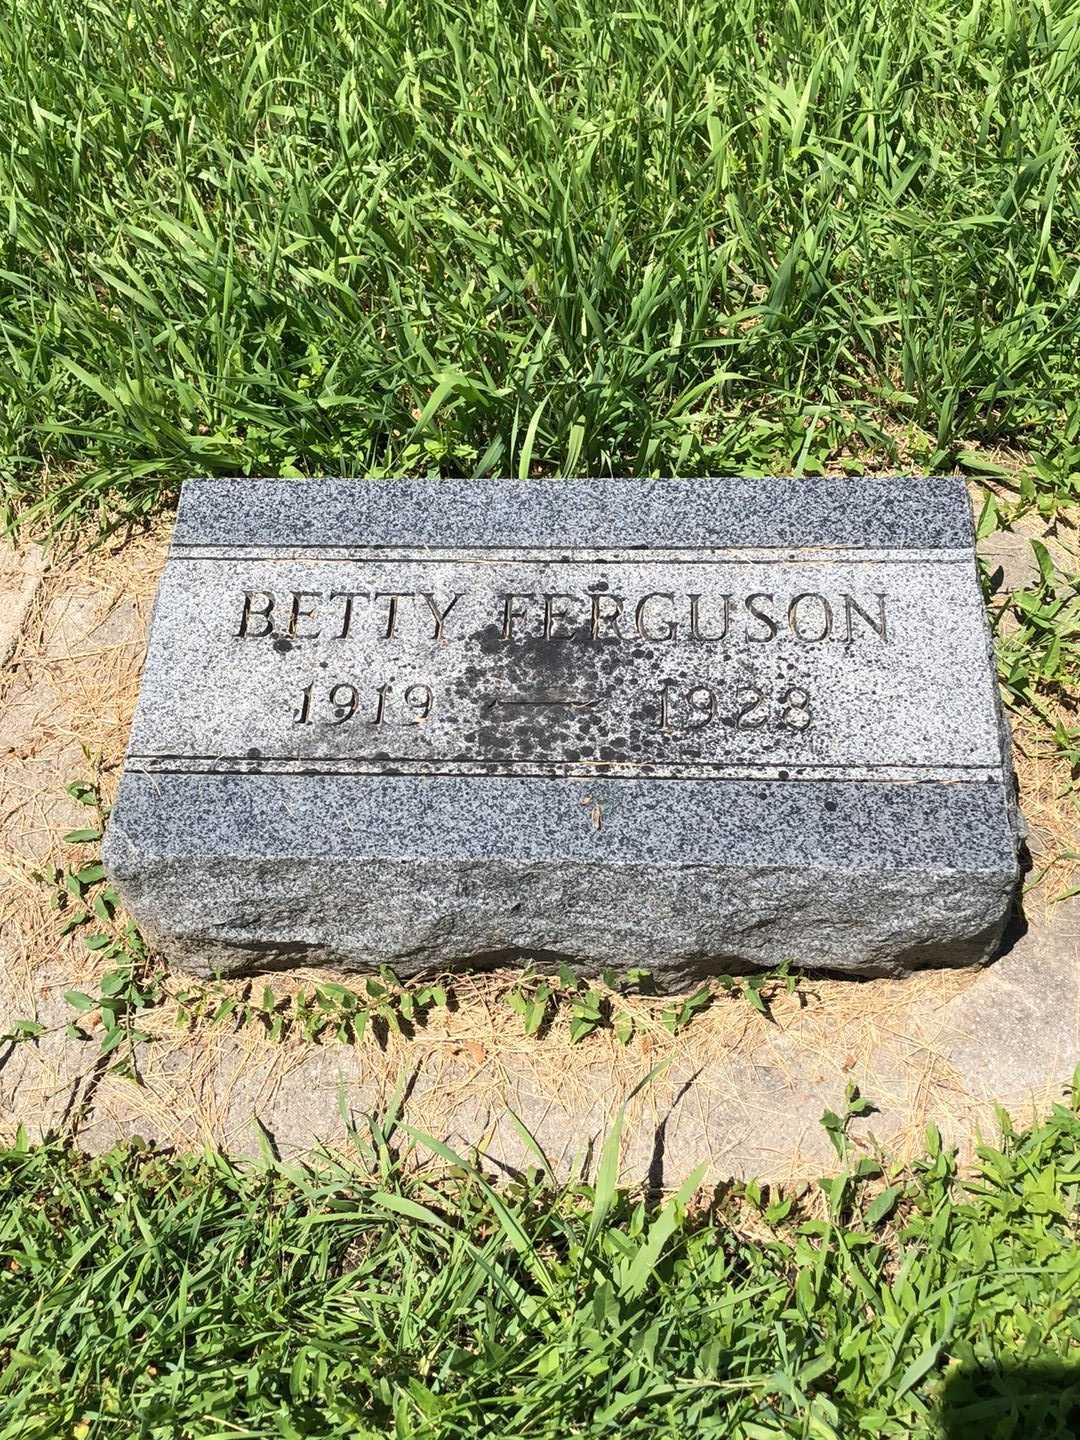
(287, 236)
(156, 1296)
(290, 237)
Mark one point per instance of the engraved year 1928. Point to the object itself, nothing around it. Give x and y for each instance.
(387, 704)
(748, 707)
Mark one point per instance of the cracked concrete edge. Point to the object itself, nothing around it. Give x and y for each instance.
(22, 572)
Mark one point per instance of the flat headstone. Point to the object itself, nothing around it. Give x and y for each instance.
(686, 727)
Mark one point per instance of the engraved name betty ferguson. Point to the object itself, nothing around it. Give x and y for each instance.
(658, 615)
(810, 616)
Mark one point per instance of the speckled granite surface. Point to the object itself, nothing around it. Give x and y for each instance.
(691, 726)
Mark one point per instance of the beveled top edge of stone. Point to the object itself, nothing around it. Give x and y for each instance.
(898, 513)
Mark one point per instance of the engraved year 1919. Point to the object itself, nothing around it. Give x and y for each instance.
(387, 704)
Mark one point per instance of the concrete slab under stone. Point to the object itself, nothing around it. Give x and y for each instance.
(1003, 1035)
(741, 1094)
(22, 570)
(757, 1089)
(683, 727)
(70, 681)
(1010, 562)
(1010, 558)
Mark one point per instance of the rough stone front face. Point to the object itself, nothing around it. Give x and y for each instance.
(690, 727)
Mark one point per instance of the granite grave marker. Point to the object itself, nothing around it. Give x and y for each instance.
(689, 727)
